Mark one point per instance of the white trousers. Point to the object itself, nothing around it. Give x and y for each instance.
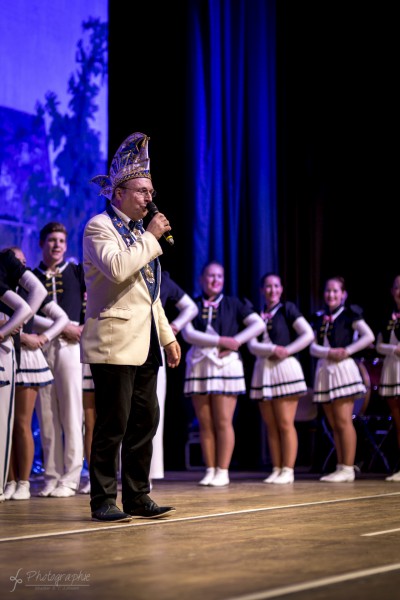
(157, 461)
(7, 405)
(60, 413)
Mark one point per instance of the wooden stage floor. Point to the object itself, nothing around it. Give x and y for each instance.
(248, 541)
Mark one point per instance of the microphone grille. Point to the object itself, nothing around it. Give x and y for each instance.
(152, 208)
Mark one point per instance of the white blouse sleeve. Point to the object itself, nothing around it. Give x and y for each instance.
(366, 337)
(254, 326)
(22, 312)
(58, 319)
(187, 312)
(257, 348)
(385, 349)
(319, 351)
(35, 288)
(199, 338)
(305, 336)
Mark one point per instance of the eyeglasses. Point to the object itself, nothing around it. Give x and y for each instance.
(142, 191)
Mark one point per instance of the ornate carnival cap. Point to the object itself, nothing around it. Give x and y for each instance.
(130, 161)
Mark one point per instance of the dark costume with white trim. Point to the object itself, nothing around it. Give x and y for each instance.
(206, 371)
(273, 379)
(337, 330)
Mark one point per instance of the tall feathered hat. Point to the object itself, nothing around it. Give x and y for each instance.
(130, 161)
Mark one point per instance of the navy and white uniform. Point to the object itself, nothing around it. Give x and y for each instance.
(60, 405)
(12, 274)
(344, 328)
(33, 369)
(87, 379)
(206, 371)
(273, 379)
(388, 339)
(11, 270)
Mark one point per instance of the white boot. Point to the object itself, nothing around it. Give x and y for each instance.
(48, 488)
(23, 491)
(345, 475)
(10, 489)
(327, 477)
(394, 477)
(208, 477)
(63, 491)
(285, 476)
(221, 478)
(271, 478)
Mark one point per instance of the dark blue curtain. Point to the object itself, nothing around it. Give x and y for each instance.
(232, 139)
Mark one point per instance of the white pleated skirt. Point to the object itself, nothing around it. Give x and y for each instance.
(206, 373)
(277, 379)
(389, 384)
(337, 380)
(33, 370)
(87, 381)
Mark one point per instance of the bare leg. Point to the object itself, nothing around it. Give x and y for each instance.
(202, 408)
(223, 408)
(23, 443)
(285, 411)
(12, 468)
(343, 422)
(274, 442)
(328, 410)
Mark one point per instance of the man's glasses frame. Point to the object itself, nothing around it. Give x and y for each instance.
(142, 191)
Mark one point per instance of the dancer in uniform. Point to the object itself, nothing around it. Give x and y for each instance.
(33, 373)
(340, 331)
(59, 405)
(214, 369)
(12, 274)
(278, 379)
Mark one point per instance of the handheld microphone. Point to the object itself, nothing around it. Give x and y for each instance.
(153, 210)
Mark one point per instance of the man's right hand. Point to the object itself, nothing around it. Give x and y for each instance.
(158, 225)
(173, 354)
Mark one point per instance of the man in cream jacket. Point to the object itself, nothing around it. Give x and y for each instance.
(124, 326)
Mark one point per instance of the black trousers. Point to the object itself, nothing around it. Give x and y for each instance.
(127, 415)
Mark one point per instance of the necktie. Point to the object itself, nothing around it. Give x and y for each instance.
(395, 316)
(136, 226)
(208, 303)
(328, 319)
(266, 316)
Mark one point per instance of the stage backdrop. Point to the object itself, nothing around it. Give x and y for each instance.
(53, 118)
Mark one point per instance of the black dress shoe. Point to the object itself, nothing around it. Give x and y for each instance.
(110, 513)
(150, 510)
